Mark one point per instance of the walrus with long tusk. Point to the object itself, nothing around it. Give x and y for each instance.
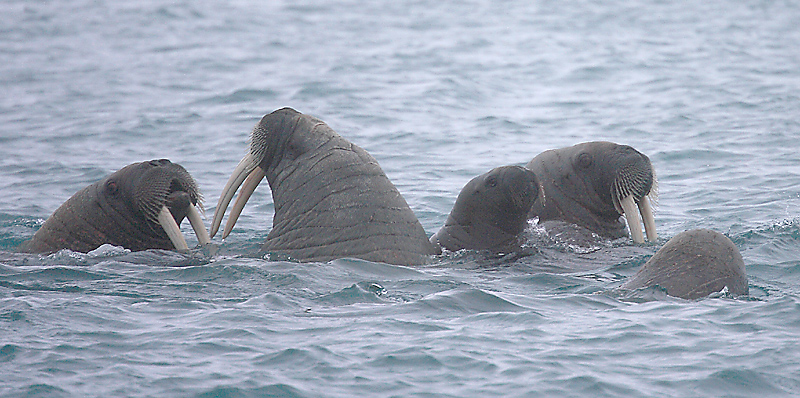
(592, 185)
(139, 207)
(332, 199)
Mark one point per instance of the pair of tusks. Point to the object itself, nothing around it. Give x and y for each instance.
(629, 209)
(248, 174)
(173, 231)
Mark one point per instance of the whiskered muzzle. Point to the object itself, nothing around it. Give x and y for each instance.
(633, 191)
(182, 194)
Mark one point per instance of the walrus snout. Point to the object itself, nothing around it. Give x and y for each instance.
(167, 194)
(632, 189)
(522, 187)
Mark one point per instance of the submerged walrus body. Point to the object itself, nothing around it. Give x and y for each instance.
(138, 207)
(592, 185)
(332, 199)
(694, 264)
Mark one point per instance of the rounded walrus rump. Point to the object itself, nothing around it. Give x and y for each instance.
(694, 264)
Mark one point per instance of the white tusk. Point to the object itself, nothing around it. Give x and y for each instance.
(197, 225)
(250, 184)
(246, 165)
(632, 216)
(171, 228)
(648, 219)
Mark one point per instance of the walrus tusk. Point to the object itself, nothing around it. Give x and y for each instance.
(244, 168)
(249, 186)
(648, 219)
(197, 225)
(171, 228)
(632, 216)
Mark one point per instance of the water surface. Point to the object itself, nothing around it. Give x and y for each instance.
(437, 92)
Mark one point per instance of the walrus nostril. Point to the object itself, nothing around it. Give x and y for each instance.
(159, 162)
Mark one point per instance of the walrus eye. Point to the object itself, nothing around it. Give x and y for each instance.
(585, 160)
(111, 187)
(491, 182)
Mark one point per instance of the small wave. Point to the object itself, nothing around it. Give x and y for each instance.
(273, 390)
(465, 301)
(364, 292)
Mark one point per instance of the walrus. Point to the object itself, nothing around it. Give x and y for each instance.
(332, 199)
(491, 211)
(692, 265)
(592, 185)
(138, 207)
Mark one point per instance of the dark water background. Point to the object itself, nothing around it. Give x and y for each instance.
(438, 92)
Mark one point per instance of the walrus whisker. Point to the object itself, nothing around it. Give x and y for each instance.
(653, 194)
(197, 225)
(248, 187)
(242, 170)
(167, 222)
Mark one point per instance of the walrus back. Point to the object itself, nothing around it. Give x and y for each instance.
(337, 202)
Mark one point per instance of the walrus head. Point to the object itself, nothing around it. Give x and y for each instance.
(490, 211)
(603, 180)
(139, 207)
(272, 142)
(500, 197)
(162, 193)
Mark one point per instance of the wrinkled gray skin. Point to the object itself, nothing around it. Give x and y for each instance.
(693, 265)
(121, 210)
(332, 199)
(491, 211)
(583, 185)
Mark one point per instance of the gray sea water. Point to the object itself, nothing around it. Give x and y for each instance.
(438, 92)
